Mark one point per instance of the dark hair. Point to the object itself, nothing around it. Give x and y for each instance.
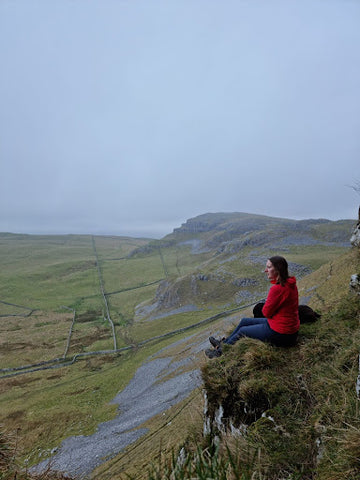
(281, 266)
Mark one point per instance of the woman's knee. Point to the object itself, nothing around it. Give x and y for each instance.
(245, 322)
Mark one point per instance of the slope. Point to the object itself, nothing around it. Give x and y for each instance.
(42, 274)
(297, 407)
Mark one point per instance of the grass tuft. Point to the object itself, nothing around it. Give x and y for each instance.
(201, 464)
(299, 405)
(9, 466)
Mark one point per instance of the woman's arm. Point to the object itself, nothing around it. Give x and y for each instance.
(273, 301)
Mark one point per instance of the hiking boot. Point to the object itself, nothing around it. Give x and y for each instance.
(213, 353)
(214, 342)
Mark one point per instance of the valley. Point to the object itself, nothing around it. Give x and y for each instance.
(81, 315)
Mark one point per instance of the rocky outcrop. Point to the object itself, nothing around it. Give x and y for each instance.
(355, 237)
(167, 295)
(355, 242)
(355, 283)
(229, 232)
(200, 288)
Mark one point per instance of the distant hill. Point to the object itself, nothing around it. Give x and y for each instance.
(239, 229)
(229, 251)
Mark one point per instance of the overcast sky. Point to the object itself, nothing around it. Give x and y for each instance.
(128, 117)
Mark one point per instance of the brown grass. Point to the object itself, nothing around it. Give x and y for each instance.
(10, 469)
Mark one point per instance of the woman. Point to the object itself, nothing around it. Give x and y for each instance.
(281, 309)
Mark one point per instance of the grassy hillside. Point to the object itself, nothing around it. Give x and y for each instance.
(282, 413)
(299, 406)
(52, 307)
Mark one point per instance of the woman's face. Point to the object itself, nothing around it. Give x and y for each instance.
(270, 271)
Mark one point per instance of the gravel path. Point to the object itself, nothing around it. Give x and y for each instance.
(144, 397)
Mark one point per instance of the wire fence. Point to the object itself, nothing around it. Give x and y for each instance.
(63, 362)
(30, 310)
(103, 293)
(66, 361)
(71, 330)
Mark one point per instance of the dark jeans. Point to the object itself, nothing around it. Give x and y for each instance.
(259, 328)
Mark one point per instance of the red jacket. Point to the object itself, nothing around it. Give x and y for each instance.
(282, 307)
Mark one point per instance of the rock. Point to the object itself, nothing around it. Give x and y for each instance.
(355, 237)
(355, 283)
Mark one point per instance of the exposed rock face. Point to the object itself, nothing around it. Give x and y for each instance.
(167, 295)
(355, 242)
(197, 288)
(355, 237)
(355, 283)
(230, 232)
